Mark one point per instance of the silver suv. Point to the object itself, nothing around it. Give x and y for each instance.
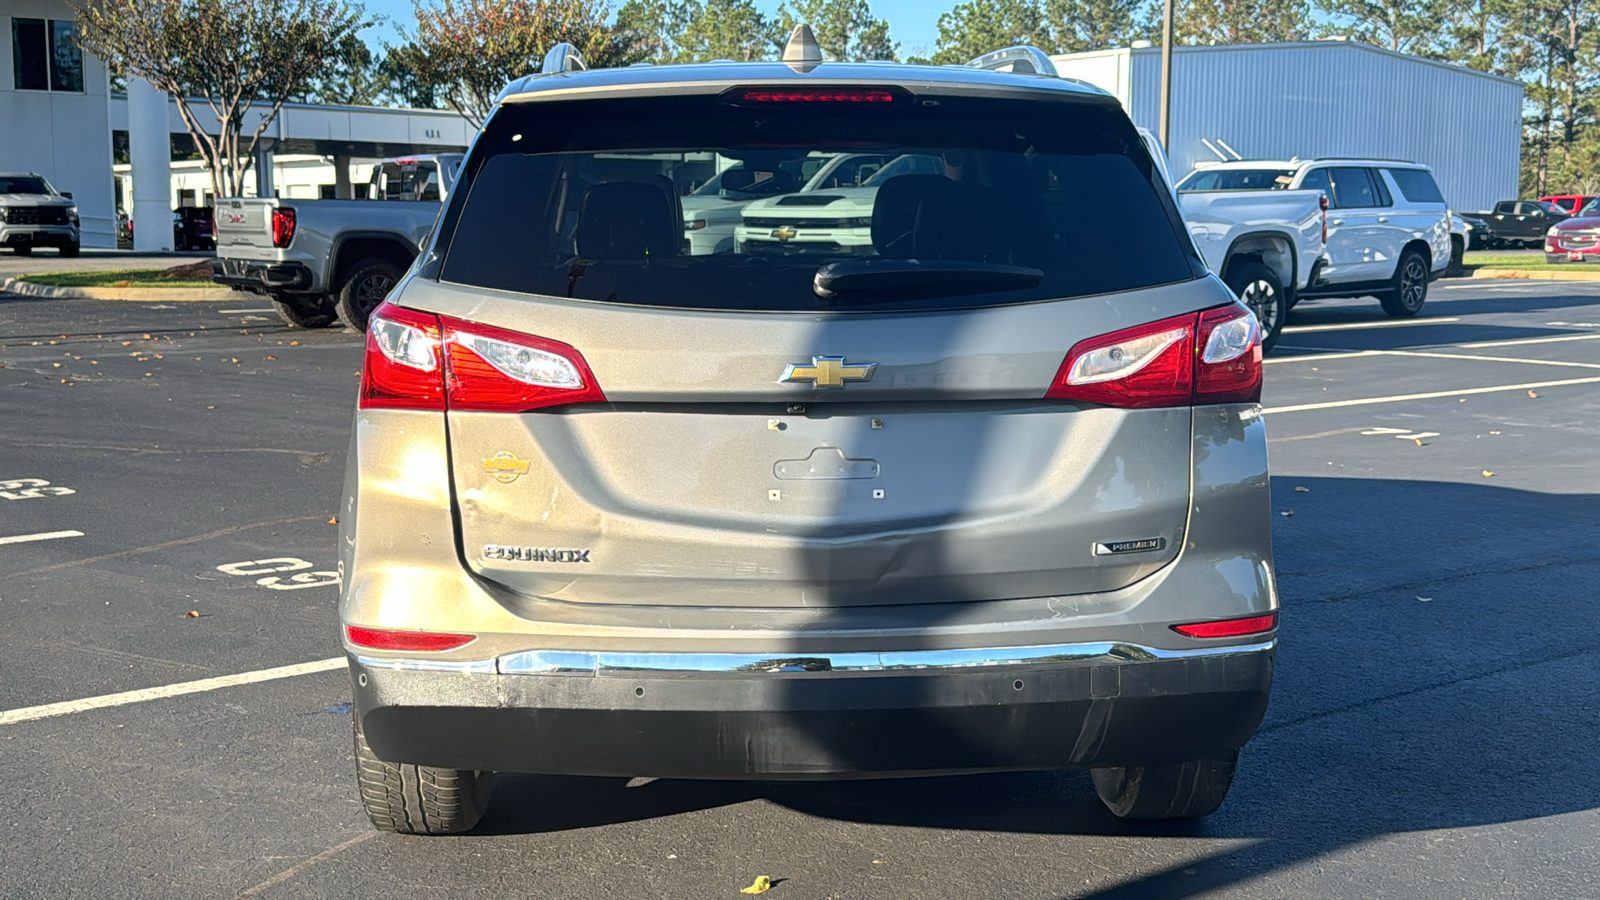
(992, 496)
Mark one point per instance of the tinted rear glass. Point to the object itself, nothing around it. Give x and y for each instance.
(1417, 185)
(1237, 180)
(587, 199)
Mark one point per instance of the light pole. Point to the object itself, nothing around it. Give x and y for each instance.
(1166, 78)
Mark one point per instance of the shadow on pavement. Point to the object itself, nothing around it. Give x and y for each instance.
(1436, 670)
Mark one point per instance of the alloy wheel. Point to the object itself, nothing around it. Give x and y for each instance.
(1262, 298)
(1413, 283)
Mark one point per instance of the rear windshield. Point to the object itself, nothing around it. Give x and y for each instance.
(608, 200)
(1238, 180)
(406, 180)
(23, 184)
(1417, 185)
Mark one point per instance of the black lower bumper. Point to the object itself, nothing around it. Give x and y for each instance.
(776, 725)
(262, 278)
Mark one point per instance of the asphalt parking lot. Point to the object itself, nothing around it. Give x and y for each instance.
(172, 469)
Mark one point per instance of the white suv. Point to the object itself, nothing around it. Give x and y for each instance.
(1388, 225)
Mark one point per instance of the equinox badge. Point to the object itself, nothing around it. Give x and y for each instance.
(827, 372)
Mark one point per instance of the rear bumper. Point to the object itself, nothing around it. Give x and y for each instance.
(261, 277)
(666, 715)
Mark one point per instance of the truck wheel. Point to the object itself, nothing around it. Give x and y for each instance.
(369, 282)
(1410, 289)
(408, 799)
(1182, 791)
(304, 310)
(1258, 287)
(1458, 254)
(69, 250)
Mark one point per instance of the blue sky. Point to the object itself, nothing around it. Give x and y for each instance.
(914, 23)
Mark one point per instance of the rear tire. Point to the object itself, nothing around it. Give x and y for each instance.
(407, 799)
(369, 282)
(1410, 289)
(70, 251)
(1258, 287)
(1458, 255)
(304, 311)
(1182, 791)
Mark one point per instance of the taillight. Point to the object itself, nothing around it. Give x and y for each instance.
(282, 226)
(495, 370)
(1144, 366)
(418, 360)
(1230, 627)
(404, 367)
(1208, 357)
(1229, 369)
(390, 639)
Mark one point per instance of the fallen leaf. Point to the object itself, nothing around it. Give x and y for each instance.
(1301, 489)
(760, 886)
(1418, 440)
(1426, 599)
(55, 365)
(94, 362)
(1494, 432)
(1462, 400)
(147, 374)
(1488, 474)
(334, 520)
(1287, 512)
(294, 343)
(144, 337)
(192, 614)
(211, 407)
(272, 357)
(127, 343)
(1532, 394)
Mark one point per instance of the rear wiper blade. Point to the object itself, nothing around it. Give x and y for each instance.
(888, 280)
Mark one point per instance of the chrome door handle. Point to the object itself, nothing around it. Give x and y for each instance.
(1335, 221)
(1383, 218)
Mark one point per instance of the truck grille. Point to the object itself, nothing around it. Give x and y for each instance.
(31, 215)
(800, 223)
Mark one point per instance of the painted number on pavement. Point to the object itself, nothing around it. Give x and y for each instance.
(30, 489)
(298, 581)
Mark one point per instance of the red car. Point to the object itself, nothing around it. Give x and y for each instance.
(1575, 240)
(1569, 203)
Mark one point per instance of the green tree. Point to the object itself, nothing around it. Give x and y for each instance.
(352, 78)
(726, 29)
(845, 29)
(652, 27)
(1405, 26)
(468, 50)
(1079, 25)
(402, 86)
(1238, 21)
(976, 27)
(222, 55)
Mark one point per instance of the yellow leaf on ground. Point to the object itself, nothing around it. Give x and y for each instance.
(761, 885)
(1532, 394)
(1488, 474)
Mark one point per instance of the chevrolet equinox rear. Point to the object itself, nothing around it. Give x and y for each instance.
(990, 496)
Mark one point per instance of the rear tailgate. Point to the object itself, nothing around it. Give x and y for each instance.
(705, 482)
(244, 229)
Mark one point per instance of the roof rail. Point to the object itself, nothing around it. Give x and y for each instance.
(1021, 59)
(563, 57)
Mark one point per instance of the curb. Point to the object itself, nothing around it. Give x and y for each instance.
(47, 292)
(1536, 275)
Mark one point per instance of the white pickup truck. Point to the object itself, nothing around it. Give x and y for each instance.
(319, 261)
(1267, 247)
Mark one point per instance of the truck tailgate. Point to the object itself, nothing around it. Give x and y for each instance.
(244, 229)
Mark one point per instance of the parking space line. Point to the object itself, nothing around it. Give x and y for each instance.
(45, 536)
(68, 707)
(1432, 395)
(1503, 359)
(1520, 341)
(1314, 356)
(1350, 326)
(221, 532)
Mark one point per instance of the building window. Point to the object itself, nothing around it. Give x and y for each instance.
(66, 59)
(329, 192)
(30, 65)
(185, 196)
(45, 56)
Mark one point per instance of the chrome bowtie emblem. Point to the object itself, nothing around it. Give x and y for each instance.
(827, 372)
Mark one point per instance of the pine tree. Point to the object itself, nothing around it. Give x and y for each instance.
(845, 29)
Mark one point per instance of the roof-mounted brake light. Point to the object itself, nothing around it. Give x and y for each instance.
(809, 96)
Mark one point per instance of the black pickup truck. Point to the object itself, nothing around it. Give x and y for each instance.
(1515, 223)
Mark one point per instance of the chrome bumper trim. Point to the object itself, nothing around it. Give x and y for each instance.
(569, 662)
(465, 667)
